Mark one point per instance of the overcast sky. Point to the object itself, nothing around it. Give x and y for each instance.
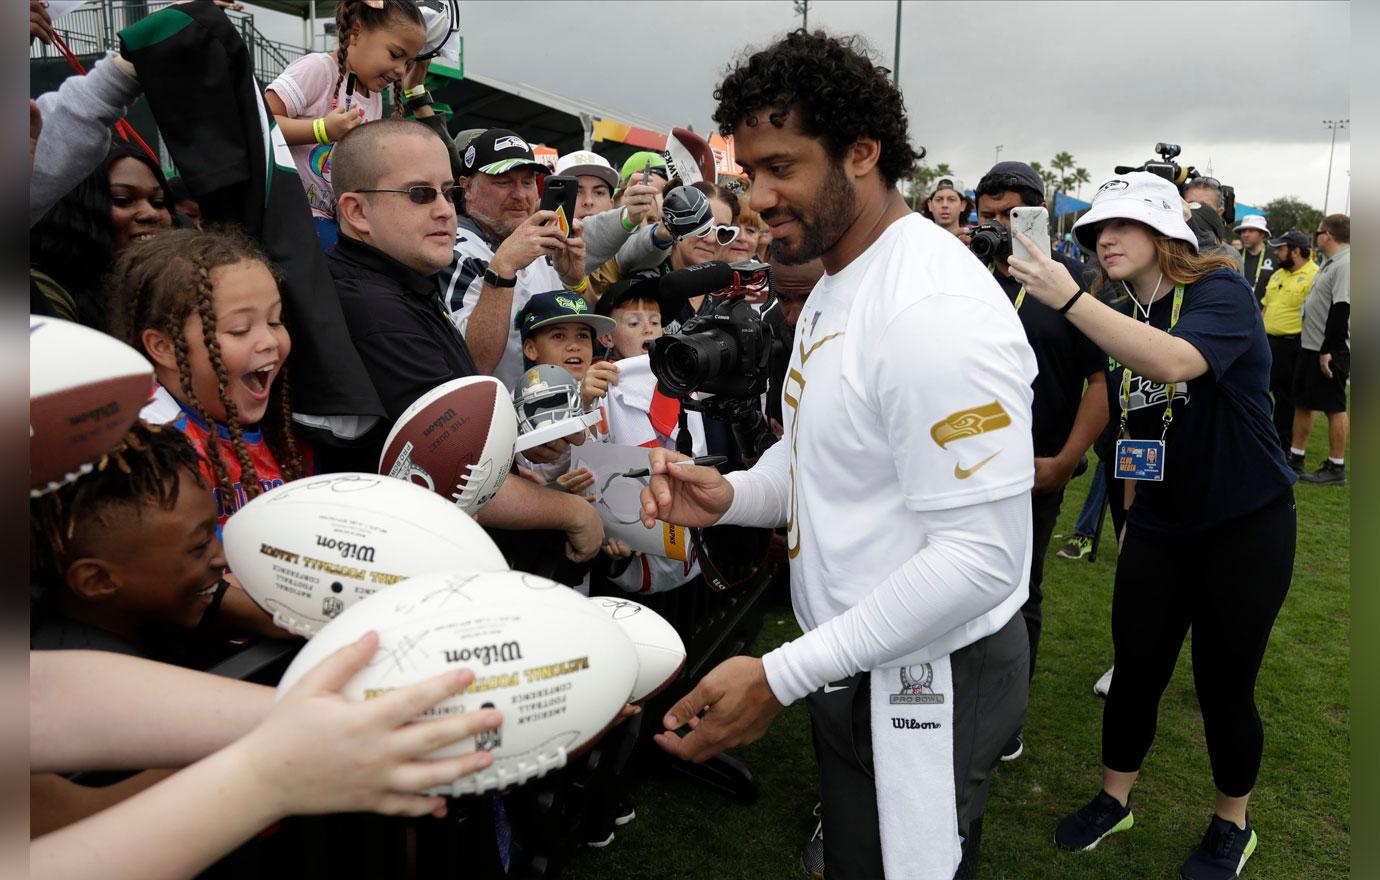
(1241, 86)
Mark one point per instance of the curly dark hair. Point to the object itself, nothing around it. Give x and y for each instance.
(834, 89)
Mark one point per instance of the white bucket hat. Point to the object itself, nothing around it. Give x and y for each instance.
(1253, 221)
(1141, 196)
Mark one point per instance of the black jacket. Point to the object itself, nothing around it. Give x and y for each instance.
(399, 327)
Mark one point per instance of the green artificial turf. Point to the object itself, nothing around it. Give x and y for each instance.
(1301, 807)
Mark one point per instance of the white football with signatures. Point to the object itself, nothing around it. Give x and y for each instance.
(308, 550)
(660, 650)
(558, 670)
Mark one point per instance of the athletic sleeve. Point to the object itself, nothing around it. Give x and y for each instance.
(1338, 327)
(956, 413)
(304, 82)
(1219, 319)
(974, 559)
(760, 494)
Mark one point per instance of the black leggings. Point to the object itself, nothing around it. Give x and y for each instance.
(1228, 584)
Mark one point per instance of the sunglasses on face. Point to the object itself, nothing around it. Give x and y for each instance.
(421, 195)
(723, 235)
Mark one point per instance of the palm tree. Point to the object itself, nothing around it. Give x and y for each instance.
(1080, 177)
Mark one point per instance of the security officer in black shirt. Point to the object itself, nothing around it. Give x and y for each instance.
(1070, 404)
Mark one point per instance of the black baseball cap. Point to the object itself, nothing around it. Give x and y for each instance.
(638, 287)
(1293, 238)
(1015, 174)
(560, 307)
(498, 150)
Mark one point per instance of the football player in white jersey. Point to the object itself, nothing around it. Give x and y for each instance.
(903, 480)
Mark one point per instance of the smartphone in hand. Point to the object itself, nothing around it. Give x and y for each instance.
(1034, 223)
(558, 194)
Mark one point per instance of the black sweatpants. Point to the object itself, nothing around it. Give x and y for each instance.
(1284, 354)
(1044, 514)
(990, 691)
(1227, 584)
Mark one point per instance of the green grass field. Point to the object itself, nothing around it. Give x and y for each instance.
(1301, 807)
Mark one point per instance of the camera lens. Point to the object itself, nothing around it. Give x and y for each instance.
(684, 362)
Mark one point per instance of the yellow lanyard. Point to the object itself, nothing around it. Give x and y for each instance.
(1020, 294)
(1170, 387)
(1258, 266)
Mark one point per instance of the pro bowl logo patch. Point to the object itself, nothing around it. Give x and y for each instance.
(917, 686)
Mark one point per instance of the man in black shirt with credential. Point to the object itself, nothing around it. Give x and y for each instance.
(1258, 259)
(1070, 404)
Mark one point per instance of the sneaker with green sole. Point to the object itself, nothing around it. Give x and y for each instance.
(1079, 547)
(1223, 853)
(1094, 822)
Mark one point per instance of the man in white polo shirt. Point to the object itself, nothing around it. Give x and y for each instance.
(903, 480)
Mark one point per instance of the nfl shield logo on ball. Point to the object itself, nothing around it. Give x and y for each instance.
(331, 606)
(917, 686)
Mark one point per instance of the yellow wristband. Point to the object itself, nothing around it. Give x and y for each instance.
(318, 127)
(582, 286)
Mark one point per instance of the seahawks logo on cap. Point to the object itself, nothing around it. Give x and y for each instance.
(575, 305)
(469, 156)
(1112, 185)
(510, 140)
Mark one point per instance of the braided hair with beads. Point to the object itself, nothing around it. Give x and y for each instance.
(369, 15)
(160, 284)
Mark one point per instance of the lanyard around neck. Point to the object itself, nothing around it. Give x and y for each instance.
(1260, 264)
(1020, 294)
(1124, 398)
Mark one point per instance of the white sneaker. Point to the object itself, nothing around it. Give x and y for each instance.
(1104, 683)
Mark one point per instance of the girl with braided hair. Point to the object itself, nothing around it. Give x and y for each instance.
(204, 307)
(321, 96)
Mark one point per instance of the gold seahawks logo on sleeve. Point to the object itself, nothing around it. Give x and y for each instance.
(969, 423)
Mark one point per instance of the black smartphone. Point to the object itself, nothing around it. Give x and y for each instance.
(558, 194)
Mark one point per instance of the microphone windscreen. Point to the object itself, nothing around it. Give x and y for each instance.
(696, 280)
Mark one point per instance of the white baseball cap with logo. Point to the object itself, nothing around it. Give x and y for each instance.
(1253, 221)
(1141, 196)
(584, 162)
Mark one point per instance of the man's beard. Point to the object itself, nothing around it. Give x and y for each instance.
(499, 227)
(830, 217)
(1287, 262)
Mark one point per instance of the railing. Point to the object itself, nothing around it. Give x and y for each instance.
(94, 29)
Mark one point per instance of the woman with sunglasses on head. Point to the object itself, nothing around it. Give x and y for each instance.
(1209, 527)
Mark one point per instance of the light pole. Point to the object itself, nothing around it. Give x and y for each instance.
(1333, 124)
(896, 56)
(803, 8)
(1000, 147)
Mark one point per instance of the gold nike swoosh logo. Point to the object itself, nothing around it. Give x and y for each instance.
(962, 473)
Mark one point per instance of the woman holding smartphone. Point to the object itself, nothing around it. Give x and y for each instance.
(1208, 543)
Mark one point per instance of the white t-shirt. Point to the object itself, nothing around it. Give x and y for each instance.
(305, 90)
(906, 403)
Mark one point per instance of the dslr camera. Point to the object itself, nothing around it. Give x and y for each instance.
(989, 241)
(725, 349)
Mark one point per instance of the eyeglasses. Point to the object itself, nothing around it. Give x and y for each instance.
(420, 195)
(724, 235)
(1320, 232)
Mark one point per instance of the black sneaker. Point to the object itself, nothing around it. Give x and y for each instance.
(1295, 462)
(1085, 829)
(812, 853)
(1015, 748)
(1328, 475)
(623, 811)
(1223, 852)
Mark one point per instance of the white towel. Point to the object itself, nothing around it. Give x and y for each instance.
(913, 758)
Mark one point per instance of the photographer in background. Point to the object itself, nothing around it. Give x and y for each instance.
(1257, 264)
(1283, 308)
(1066, 418)
(1206, 200)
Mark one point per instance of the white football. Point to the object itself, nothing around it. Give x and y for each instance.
(456, 440)
(85, 393)
(660, 651)
(310, 549)
(559, 686)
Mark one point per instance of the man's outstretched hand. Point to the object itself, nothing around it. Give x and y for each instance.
(732, 705)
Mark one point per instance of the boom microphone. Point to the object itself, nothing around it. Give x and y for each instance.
(698, 280)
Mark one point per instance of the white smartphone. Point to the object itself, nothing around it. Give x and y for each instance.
(1034, 222)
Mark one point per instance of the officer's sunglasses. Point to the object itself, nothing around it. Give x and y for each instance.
(421, 195)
